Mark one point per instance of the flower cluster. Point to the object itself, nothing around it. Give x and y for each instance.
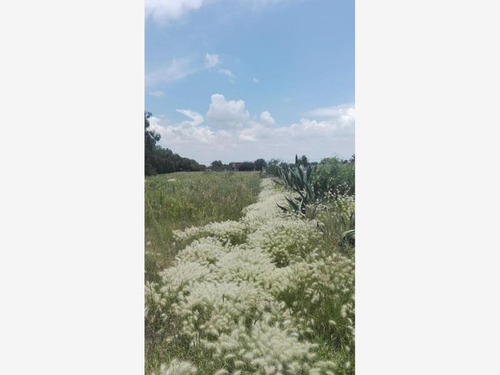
(321, 296)
(286, 238)
(268, 349)
(178, 368)
(252, 294)
(230, 231)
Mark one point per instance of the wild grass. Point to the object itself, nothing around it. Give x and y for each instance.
(180, 200)
(263, 292)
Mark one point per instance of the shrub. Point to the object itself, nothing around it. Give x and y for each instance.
(313, 184)
(332, 176)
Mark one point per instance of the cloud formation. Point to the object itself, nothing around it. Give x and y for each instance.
(176, 69)
(163, 11)
(211, 60)
(227, 73)
(226, 114)
(179, 69)
(328, 112)
(196, 118)
(230, 134)
(266, 118)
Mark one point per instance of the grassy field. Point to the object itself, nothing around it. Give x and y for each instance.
(184, 199)
(252, 289)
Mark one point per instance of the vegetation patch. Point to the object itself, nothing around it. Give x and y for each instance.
(262, 292)
(181, 200)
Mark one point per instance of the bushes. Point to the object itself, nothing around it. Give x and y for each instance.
(315, 184)
(321, 296)
(331, 175)
(273, 167)
(337, 222)
(247, 166)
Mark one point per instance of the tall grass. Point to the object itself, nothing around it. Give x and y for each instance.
(278, 300)
(180, 200)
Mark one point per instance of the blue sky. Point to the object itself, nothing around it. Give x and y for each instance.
(242, 79)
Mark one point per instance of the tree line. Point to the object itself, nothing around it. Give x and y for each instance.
(272, 166)
(159, 160)
(257, 165)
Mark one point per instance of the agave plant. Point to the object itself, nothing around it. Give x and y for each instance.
(349, 237)
(315, 184)
(294, 178)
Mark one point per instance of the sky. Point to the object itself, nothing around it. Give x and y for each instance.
(238, 80)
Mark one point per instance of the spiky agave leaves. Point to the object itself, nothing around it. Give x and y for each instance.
(298, 207)
(301, 183)
(349, 237)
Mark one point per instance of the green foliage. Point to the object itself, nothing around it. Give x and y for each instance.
(315, 183)
(273, 168)
(281, 300)
(349, 236)
(150, 139)
(159, 160)
(338, 222)
(294, 178)
(181, 200)
(260, 164)
(247, 166)
(331, 175)
(217, 165)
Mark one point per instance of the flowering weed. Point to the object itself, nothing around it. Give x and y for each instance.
(268, 293)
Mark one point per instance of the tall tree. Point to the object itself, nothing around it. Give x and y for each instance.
(247, 166)
(260, 164)
(150, 139)
(217, 165)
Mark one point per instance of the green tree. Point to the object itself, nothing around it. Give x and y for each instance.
(150, 139)
(273, 167)
(217, 165)
(247, 166)
(260, 164)
(163, 160)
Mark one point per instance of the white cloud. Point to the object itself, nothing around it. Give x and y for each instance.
(211, 60)
(232, 136)
(157, 94)
(178, 136)
(177, 69)
(196, 118)
(168, 10)
(328, 112)
(266, 118)
(226, 114)
(226, 72)
(182, 68)
(255, 80)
